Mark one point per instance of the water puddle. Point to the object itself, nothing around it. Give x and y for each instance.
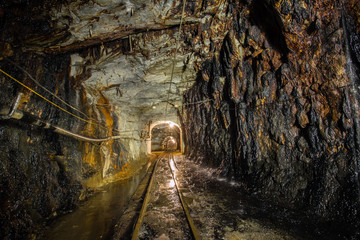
(96, 217)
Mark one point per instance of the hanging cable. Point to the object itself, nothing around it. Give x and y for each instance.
(272, 103)
(84, 138)
(44, 88)
(176, 47)
(54, 104)
(168, 102)
(94, 121)
(31, 119)
(44, 98)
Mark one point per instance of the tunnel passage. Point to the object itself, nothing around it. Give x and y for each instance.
(266, 93)
(165, 136)
(169, 144)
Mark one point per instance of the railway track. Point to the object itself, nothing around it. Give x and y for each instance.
(222, 209)
(165, 166)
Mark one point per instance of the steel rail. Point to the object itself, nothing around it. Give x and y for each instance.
(194, 231)
(144, 205)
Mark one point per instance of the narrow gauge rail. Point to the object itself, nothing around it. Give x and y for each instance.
(172, 166)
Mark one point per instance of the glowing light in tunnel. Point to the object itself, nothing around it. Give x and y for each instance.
(178, 142)
(172, 165)
(171, 183)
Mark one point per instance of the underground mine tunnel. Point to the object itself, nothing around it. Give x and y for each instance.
(250, 106)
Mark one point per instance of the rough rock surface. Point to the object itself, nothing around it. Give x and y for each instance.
(40, 171)
(117, 73)
(280, 107)
(236, 216)
(274, 103)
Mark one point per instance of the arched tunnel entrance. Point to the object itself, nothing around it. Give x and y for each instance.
(165, 136)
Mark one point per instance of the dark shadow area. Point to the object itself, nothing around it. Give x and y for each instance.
(265, 16)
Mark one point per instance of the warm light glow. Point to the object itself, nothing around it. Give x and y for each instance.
(171, 183)
(153, 107)
(166, 145)
(172, 165)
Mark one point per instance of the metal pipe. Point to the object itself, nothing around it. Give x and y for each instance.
(83, 138)
(16, 114)
(41, 86)
(16, 104)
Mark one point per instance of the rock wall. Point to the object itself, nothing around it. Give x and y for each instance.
(85, 53)
(276, 105)
(44, 174)
(275, 102)
(40, 170)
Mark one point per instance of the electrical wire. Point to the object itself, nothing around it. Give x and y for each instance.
(44, 98)
(54, 104)
(272, 103)
(44, 88)
(176, 47)
(94, 121)
(168, 102)
(91, 121)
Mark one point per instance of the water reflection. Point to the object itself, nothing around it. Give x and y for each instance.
(95, 219)
(171, 183)
(172, 165)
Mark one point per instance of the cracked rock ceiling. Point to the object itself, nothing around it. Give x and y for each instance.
(127, 50)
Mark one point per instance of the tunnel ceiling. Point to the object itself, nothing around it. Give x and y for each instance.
(124, 50)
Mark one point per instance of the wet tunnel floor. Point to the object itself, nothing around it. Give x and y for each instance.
(220, 210)
(164, 215)
(218, 207)
(95, 218)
